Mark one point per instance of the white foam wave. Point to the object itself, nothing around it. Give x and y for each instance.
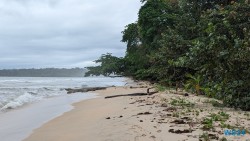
(21, 100)
(15, 92)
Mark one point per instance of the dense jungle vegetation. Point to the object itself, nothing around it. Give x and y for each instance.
(203, 45)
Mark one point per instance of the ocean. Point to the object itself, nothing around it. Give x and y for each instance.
(26, 103)
(19, 91)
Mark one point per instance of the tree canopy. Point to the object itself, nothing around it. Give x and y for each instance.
(204, 45)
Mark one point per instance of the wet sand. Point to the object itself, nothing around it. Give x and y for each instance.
(17, 124)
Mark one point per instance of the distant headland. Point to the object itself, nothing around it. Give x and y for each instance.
(43, 72)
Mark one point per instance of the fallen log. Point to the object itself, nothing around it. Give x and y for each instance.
(133, 94)
(132, 87)
(87, 89)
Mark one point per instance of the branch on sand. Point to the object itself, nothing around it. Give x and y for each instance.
(133, 94)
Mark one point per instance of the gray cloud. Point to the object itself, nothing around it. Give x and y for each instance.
(62, 33)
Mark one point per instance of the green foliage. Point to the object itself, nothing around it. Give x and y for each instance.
(131, 37)
(160, 88)
(211, 89)
(222, 54)
(204, 137)
(181, 102)
(154, 15)
(224, 115)
(216, 103)
(208, 123)
(221, 116)
(108, 65)
(208, 39)
(193, 83)
(226, 126)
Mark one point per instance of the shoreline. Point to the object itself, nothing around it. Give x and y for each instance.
(17, 124)
(92, 112)
(137, 118)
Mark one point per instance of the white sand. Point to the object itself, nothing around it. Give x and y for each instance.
(88, 120)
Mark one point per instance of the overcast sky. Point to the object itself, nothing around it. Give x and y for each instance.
(62, 33)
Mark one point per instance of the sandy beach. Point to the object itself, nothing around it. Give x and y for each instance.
(164, 116)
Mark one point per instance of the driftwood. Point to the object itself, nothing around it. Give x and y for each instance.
(131, 87)
(116, 76)
(70, 91)
(133, 94)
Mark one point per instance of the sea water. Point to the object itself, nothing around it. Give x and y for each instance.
(27, 103)
(19, 91)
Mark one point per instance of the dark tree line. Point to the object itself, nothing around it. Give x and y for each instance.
(203, 45)
(46, 72)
